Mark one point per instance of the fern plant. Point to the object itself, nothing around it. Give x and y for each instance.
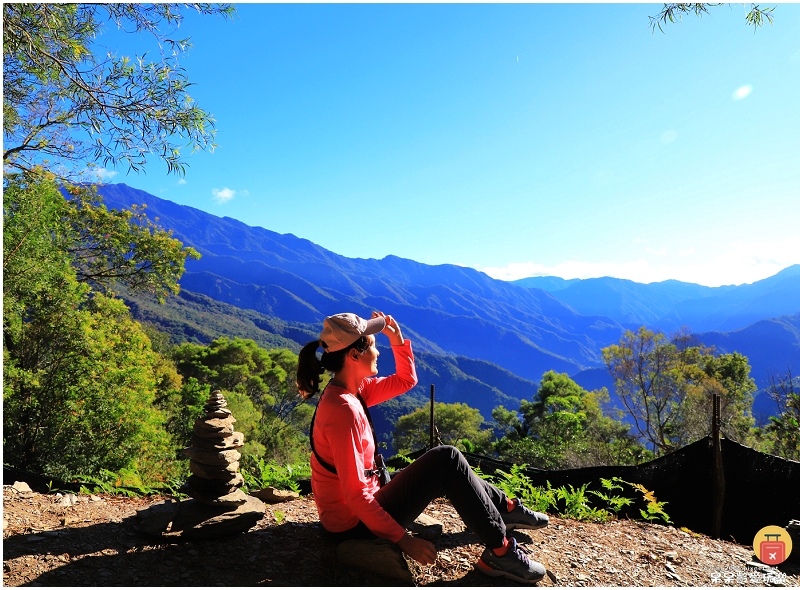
(613, 503)
(654, 510)
(576, 504)
(259, 473)
(125, 482)
(579, 503)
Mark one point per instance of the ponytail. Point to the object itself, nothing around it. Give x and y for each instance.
(310, 368)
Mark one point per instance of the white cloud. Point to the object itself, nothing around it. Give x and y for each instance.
(755, 260)
(742, 92)
(98, 174)
(569, 269)
(669, 136)
(734, 263)
(181, 181)
(104, 174)
(223, 195)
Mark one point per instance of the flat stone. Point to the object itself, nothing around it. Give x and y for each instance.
(378, 556)
(272, 495)
(194, 520)
(210, 433)
(234, 441)
(426, 527)
(216, 407)
(67, 499)
(21, 487)
(223, 472)
(215, 487)
(234, 498)
(214, 424)
(155, 519)
(199, 521)
(212, 457)
(23, 490)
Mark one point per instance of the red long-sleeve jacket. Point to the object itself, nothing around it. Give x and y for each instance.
(343, 438)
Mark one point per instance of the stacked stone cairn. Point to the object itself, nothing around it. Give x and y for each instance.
(213, 458)
(217, 506)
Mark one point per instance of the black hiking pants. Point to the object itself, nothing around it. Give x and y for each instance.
(442, 471)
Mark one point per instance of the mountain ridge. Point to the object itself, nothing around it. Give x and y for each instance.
(449, 310)
(669, 305)
(456, 308)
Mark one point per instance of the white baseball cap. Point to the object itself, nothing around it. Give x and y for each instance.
(341, 330)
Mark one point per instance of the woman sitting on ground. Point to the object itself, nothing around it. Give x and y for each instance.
(346, 480)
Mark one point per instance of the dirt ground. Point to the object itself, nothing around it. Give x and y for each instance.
(54, 540)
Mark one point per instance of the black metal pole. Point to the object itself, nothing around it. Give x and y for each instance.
(717, 471)
(430, 444)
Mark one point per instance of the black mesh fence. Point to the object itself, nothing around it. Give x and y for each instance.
(759, 489)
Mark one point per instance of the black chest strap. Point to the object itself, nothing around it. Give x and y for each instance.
(378, 463)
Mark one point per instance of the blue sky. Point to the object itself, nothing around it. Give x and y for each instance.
(517, 139)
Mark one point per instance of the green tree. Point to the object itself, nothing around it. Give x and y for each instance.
(667, 385)
(455, 424)
(79, 389)
(557, 408)
(507, 423)
(563, 427)
(264, 383)
(181, 403)
(727, 375)
(607, 440)
(286, 425)
(106, 248)
(645, 367)
(79, 375)
(785, 427)
(80, 378)
(109, 247)
(67, 102)
(34, 243)
(554, 421)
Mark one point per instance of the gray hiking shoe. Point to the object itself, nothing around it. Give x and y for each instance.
(514, 565)
(524, 518)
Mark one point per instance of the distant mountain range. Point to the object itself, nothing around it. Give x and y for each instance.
(669, 305)
(477, 339)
